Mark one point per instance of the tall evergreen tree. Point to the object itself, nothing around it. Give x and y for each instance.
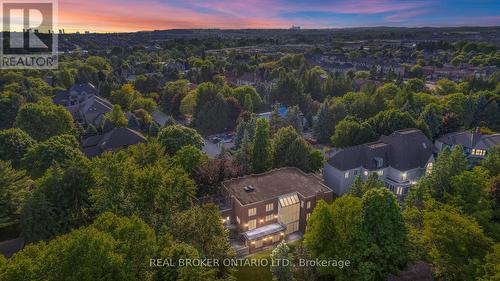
(383, 240)
(261, 147)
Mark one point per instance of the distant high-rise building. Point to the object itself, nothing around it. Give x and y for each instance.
(295, 27)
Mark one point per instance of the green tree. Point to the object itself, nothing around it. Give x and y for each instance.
(176, 252)
(171, 96)
(415, 85)
(455, 243)
(44, 120)
(243, 154)
(433, 118)
(189, 157)
(448, 164)
(175, 137)
(9, 106)
(327, 118)
(281, 271)
(248, 103)
(240, 93)
(291, 150)
(360, 187)
(350, 132)
(63, 195)
(112, 248)
(315, 161)
(492, 161)
(125, 96)
(14, 143)
(55, 150)
(201, 227)
(333, 232)
(14, 185)
(490, 269)
(116, 117)
(389, 121)
(383, 238)
(147, 104)
(261, 147)
(445, 87)
(151, 188)
(65, 78)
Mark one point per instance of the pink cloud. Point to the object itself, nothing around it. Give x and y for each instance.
(116, 15)
(108, 16)
(404, 15)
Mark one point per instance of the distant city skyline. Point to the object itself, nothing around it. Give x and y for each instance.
(128, 15)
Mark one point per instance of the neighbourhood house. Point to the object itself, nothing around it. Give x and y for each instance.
(77, 94)
(475, 145)
(399, 159)
(82, 101)
(114, 140)
(268, 207)
(91, 111)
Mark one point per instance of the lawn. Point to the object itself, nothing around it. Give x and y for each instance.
(261, 273)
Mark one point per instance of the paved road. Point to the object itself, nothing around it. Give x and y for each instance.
(213, 150)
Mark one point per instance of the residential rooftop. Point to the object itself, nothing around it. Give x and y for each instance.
(273, 184)
(403, 150)
(471, 140)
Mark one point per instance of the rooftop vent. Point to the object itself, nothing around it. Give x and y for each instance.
(248, 188)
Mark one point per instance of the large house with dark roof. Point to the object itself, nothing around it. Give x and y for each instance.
(114, 140)
(399, 159)
(266, 208)
(475, 145)
(91, 111)
(82, 101)
(77, 94)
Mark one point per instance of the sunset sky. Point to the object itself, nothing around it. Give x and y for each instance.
(128, 15)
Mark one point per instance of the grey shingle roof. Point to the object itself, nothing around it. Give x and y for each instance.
(85, 87)
(113, 140)
(471, 140)
(403, 150)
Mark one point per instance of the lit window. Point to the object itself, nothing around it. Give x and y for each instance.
(252, 212)
(238, 220)
(399, 190)
(380, 173)
(269, 217)
(429, 168)
(478, 152)
(252, 224)
(308, 204)
(269, 207)
(404, 176)
(346, 175)
(366, 173)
